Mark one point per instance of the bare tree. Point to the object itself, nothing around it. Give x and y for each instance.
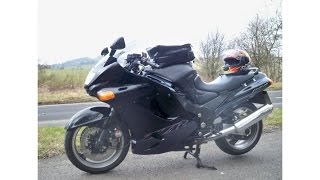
(262, 41)
(210, 51)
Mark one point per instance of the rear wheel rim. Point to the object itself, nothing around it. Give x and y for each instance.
(95, 160)
(248, 137)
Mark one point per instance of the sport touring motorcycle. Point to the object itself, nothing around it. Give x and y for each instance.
(159, 104)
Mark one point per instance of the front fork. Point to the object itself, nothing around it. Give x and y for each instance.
(105, 128)
(105, 133)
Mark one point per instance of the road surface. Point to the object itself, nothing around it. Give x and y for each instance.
(59, 114)
(263, 162)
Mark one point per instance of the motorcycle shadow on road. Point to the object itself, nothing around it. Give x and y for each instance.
(172, 165)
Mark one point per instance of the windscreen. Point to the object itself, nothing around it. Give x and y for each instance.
(120, 55)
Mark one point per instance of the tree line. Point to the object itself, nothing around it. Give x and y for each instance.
(262, 40)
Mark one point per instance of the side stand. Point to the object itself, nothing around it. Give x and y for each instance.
(196, 155)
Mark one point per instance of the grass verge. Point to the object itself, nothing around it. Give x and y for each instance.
(275, 86)
(275, 118)
(63, 97)
(51, 139)
(61, 79)
(60, 86)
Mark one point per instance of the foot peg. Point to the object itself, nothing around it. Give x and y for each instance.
(196, 155)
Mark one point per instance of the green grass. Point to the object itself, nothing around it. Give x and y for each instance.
(50, 141)
(274, 119)
(57, 86)
(61, 79)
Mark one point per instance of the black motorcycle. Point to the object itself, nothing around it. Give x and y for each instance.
(158, 103)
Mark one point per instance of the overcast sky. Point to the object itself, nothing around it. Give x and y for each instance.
(71, 29)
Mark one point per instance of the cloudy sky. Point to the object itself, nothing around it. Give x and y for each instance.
(81, 28)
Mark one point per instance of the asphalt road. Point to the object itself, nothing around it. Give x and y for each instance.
(53, 115)
(263, 162)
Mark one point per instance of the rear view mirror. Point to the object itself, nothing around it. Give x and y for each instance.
(118, 44)
(105, 51)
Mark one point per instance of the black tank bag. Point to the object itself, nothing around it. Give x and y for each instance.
(170, 55)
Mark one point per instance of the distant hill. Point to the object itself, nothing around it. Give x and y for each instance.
(84, 62)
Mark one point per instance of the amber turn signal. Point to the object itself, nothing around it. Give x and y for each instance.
(106, 95)
(270, 81)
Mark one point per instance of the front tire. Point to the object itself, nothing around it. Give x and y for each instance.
(235, 144)
(81, 151)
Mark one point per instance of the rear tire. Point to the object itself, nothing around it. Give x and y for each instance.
(91, 166)
(226, 146)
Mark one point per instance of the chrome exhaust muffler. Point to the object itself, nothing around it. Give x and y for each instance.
(244, 123)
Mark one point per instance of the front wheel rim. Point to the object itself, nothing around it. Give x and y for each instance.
(90, 162)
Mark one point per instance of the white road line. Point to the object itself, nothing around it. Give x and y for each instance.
(53, 123)
(72, 104)
(275, 91)
(279, 97)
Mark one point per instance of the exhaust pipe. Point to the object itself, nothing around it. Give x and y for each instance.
(244, 123)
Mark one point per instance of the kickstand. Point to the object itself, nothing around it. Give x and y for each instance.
(188, 151)
(196, 155)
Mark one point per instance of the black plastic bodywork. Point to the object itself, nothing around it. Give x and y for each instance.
(90, 115)
(163, 108)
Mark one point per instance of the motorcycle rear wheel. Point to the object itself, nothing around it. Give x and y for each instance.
(235, 144)
(79, 147)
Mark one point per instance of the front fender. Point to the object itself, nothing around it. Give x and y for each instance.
(88, 116)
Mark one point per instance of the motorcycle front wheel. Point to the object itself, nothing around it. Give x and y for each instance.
(87, 152)
(237, 144)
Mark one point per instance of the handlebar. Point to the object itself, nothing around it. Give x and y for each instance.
(152, 64)
(135, 60)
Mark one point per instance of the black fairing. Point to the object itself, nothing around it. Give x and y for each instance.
(112, 75)
(170, 138)
(87, 116)
(248, 91)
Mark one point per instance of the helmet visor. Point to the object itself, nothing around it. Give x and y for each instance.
(231, 61)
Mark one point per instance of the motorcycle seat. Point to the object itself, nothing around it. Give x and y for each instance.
(222, 83)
